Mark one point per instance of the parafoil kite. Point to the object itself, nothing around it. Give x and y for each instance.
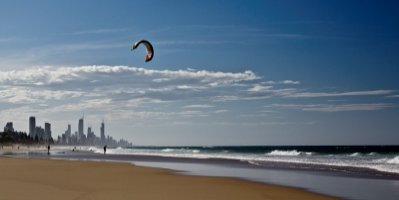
(148, 46)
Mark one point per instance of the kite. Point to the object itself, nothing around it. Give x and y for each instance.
(148, 46)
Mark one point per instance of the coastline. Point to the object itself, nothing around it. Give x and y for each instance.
(63, 179)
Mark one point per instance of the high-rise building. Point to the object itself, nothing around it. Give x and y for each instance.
(80, 130)
(102, 133)
(91, 138)
(66, 137)
(39, 133)
(47, 131)
(68, 131)
(32, 126)
(9, 127)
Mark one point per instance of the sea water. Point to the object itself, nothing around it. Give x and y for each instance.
(364, 159)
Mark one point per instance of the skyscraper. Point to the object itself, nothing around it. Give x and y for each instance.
(9, 127)
(32, 126)
(80, 130)
(91, 138)
(68, 131)
(39, 133)
(102, 133)
(47, 131)
(66, 137)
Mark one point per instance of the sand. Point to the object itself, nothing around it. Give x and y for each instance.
(60, 179)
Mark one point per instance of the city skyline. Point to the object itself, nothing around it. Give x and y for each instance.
(33, 127)
(259, 73)
(68, 137)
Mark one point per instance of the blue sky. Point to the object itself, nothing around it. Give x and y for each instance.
(224, 72)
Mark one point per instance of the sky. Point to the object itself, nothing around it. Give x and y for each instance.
(223, 73)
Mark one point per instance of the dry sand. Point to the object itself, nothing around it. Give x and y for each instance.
(59, 179)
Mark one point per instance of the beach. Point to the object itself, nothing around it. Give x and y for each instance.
(60, 179)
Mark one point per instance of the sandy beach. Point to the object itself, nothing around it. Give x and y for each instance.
(59, 179)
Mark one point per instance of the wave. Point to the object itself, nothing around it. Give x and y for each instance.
(182, 150)
(354, 154)
(167, 150)
(284, 153)
(288, 153)
(394, 160)
(375, 161)
(196, 151)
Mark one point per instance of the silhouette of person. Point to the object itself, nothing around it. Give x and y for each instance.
(105, 149)
(48, 150)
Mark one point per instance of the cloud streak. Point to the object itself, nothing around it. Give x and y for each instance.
(119, 83)
(99, 31)
(333, 107)
(199, 106)
(341, 94)
(47, 76)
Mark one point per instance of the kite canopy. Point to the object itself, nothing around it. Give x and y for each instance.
(148, 46)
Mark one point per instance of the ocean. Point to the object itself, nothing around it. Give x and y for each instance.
(382, 161)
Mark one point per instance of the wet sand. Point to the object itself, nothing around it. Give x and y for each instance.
(60, 179)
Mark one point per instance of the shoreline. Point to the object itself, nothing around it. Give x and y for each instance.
(211, 187)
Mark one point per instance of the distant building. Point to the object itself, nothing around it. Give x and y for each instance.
(9, 127)
(91, 138)
(32, 126)
(80, 131)
(47, 131)
(39, 133)
(102, 133)
(66, 137)
(68, 131)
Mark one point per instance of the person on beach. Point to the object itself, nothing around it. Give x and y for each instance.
(105, 149)
(48, 150)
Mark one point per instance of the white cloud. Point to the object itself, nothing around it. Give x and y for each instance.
(160, 80)
(333, 107)
(100, 31)
(290, 82)
(199, 106)
(260, 88)
(287, 82)
(20, 95)
(220, 111)
(52, 75)
(341, 94)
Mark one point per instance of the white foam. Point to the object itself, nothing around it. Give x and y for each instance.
(393, 160)
(284, 153)
(355, 154)
(375, 161)
(167, 150)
